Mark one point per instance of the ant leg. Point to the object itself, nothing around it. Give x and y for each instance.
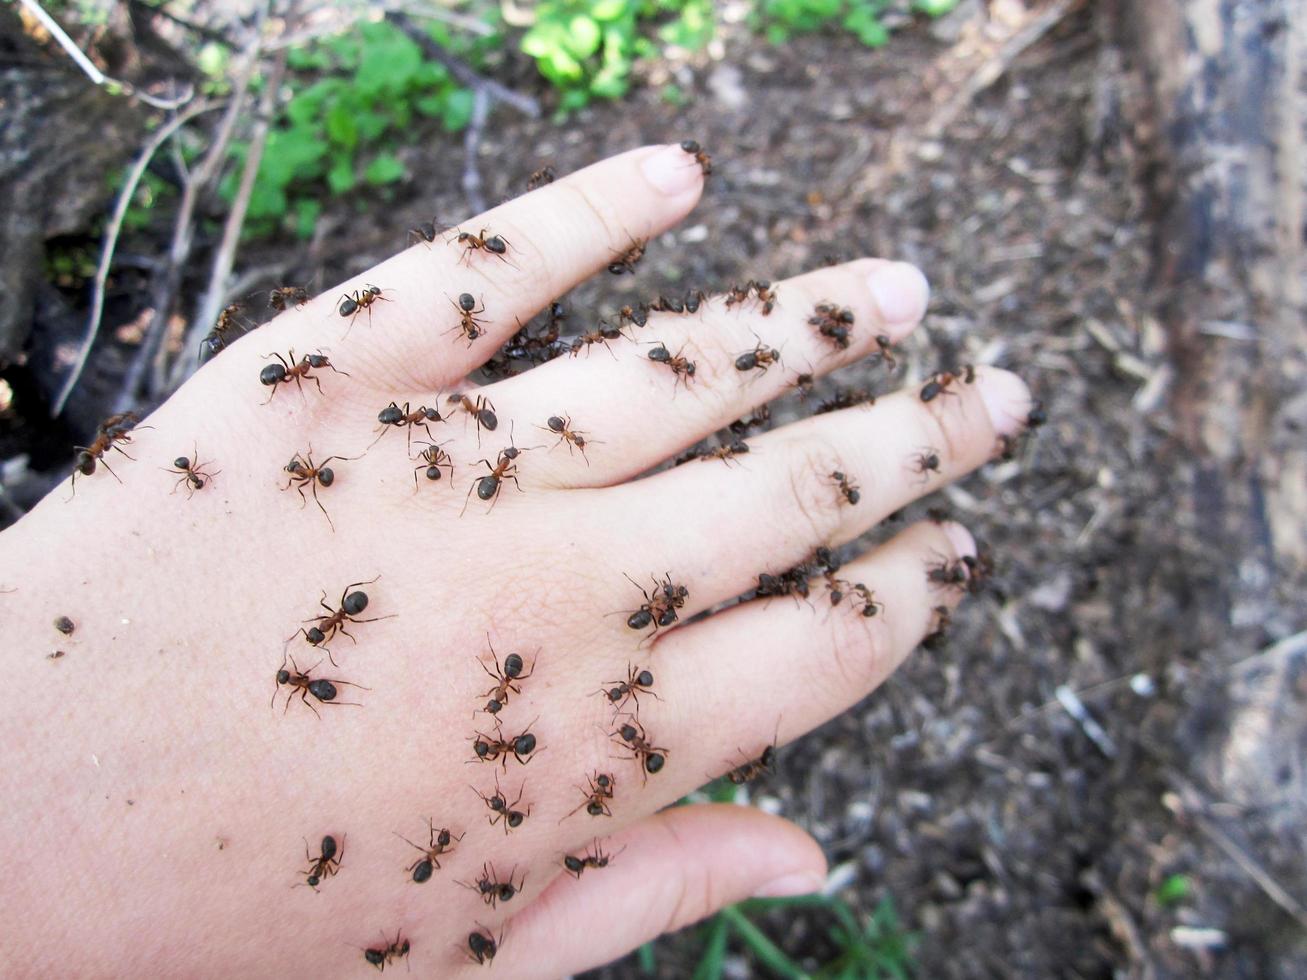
(320, 507)
(316, 382)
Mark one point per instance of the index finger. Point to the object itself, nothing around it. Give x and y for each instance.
(548, 241)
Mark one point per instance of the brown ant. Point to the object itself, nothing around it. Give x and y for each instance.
(760, 288)
(704, 161)
(759, 359)
(660, 607)
(352, 304)
(682, 367)
(325, 628)
(980, 567)
(760, 417)
(505, 677)
(482, 945)
(633, 738)
(726, 453)
(113, 430)
(432, 459)
(468, 324)
(833, 323)
(504, 468)
(284, 297)
(388, 951)
(304, 473)
(539, 178)
(885, 351)
(491, 748)
(494, 245)
(619, 692)
(948, 573)
(937, 637)
(561, 426)
(849, 491)
(217, 339)
(304, 683)
(637, 315)
(286, 371)
(751, 769)
(602, 334)
(598, 796)
(482, 410)
(595, 858)
(505, 812)
(393, 416)
(803, 383)
(791, 582)
(865, 600)
(664, 305)
(1005, 448)
(439, 842)
(845, 398)
(192, 473)
(425, 232)
(626, 261)
(491, 889)
(326, 864)
(925, 462)
(939, 382)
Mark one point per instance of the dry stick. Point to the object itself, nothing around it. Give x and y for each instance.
(216, 294)
(166, 285)
(93, 73)
(111, 233)
(471, 147)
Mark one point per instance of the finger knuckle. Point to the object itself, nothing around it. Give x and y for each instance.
(807, 488)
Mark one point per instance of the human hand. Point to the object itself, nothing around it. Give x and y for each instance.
(157, 804)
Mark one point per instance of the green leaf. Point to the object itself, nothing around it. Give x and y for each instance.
(385, 168)
(342, 126)
(604, 10)
(1173, 890)
(777, 34)
(457, 111)
(563, 66)
(390, 61)
(714, 953)
(574, 99)
(934, 8)
(307, 210)
(767, 952)
(266, 201)
(341, 176)
(645, 956)
(583, 36)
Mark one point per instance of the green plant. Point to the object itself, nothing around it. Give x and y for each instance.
(1173, 890)
(780, 19)
(587, 48)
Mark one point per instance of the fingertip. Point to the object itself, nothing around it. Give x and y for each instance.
(901, 294)
(671, 171)
(963, 544)
(1006, 398)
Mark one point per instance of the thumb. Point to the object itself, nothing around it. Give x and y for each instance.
(674, 868)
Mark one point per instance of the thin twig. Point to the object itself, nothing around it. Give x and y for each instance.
(215, 295)
(92, 72)
(111, 233)
(463, 71)
(471, 148)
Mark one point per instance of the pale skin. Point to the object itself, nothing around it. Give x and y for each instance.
(156, 804)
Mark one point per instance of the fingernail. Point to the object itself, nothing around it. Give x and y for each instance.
(798, 883)
(1006, 398)
(901, 294)
(672, 171)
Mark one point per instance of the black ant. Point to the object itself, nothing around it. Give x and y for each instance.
(627, 260)
(792, 582)
(220, 336)
(352, 304)
(595, 858)
(926, 462)
(561, 426)
(864, 600)
(849, 491)
(192, 473)
(388, 951)
(284, 297)
(602, 334)
(491, 748)
(493, 245)
(760, 358)
(393, 416)
(504, 468)
(948, 573)
(491, 889)
(113, 430)
(833, 323)
(637, 680)
(303, 473)
(845, 398)
(632, 737)
(660, 607)
(482, 945)
(704, 161)
(682, 367)
(482, 410)
(468, 324)
(637, 315)
(803, 383)
(505, 812)
(751, 769)
(539, 178)
(506, 678)
(598, 796)
(324, 628)
(304, 684)
(433, 458)
(885, 351)
(980, 568)
(760, 417)
(439, 842)
(286, 371)
(664, 305)
(326, 864)
(425, 232)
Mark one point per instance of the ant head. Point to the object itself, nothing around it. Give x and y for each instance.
(283, 676)
(481, 747)
(314, 635)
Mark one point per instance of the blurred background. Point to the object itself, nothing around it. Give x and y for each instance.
(1102, 772)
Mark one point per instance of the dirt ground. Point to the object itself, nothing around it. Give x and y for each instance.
(1014, 842)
